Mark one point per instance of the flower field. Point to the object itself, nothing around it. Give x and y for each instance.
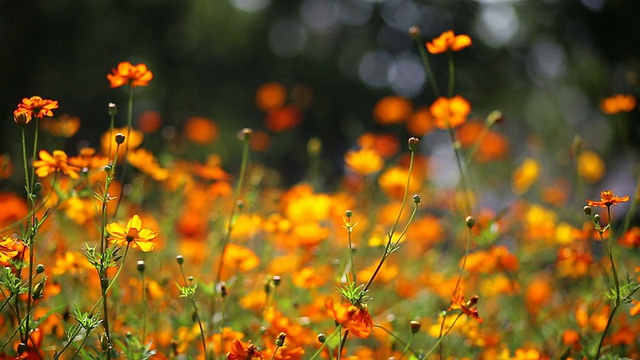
(144, 244)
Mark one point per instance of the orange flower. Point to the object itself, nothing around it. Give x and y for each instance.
(133, 234)
(54, 163)
(608, 198)
(87, 158)
(421, 122)
(450, 112)
(282, 119)
(6, 168)
(392, 110)
(201, 130)
(240, 258)
(242, 351)
(145, 161)
(448, 41)
(635, 310)
(149, 121)
(355, 319)
(618, 103)
(63, 126)
(270, 96)
(457, 302)
(364, 162)
(33, 107)
(129, 74)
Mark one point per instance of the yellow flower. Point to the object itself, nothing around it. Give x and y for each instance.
(7, 249)
(591, 167)
(525, 176)
(133, 234)
(364, 161)
(49, 163)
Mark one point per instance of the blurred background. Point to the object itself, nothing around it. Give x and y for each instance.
(545, 64)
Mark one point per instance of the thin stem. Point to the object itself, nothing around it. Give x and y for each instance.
(451, 73)
(231, 222)
(387, 250)
(126, 149)
(324, 344)
(433, 348)
(617, 300)
(342, 343)
(425, 62)
(407, 346)
(197, 315)
(144, 310)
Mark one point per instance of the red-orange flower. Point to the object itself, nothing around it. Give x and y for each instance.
(448, 41)
(241, 351)
(450, 112)
(353, 318)
(457, 302)
(129, 74)
(33, 107)
(608, 198)
(49, 163)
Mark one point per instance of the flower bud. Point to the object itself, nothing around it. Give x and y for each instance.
(416, 199)
(596, 218)
(37, 187)
(322, 338)
(38, 290)
(415, 326)
(120, 138)
(22, 119)
(190, 279)
(39, 269)
(104, 342)
(413, 144)
(180, 259)
(245, 134)
(414, 32)
(113, 109)
(280, 340)
(108, 168)
(470, 221)
(494, 117)
(348, 213)
(104, 283)
(22, 347)
(587, 210)
(141, 266)
(276, 280)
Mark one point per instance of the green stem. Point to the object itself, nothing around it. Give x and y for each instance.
(425, 62)
(342, 343)
(433, 348)
(126, 149)
(324, 344)
(197, 315)
(451, 73)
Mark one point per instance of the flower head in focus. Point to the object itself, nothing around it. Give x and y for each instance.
(448, 41)
(608, 198)
(134, 234)
(129, 74)
(34, 106)
(242, 351)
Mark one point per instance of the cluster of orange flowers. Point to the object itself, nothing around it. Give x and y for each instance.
(278, 275)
